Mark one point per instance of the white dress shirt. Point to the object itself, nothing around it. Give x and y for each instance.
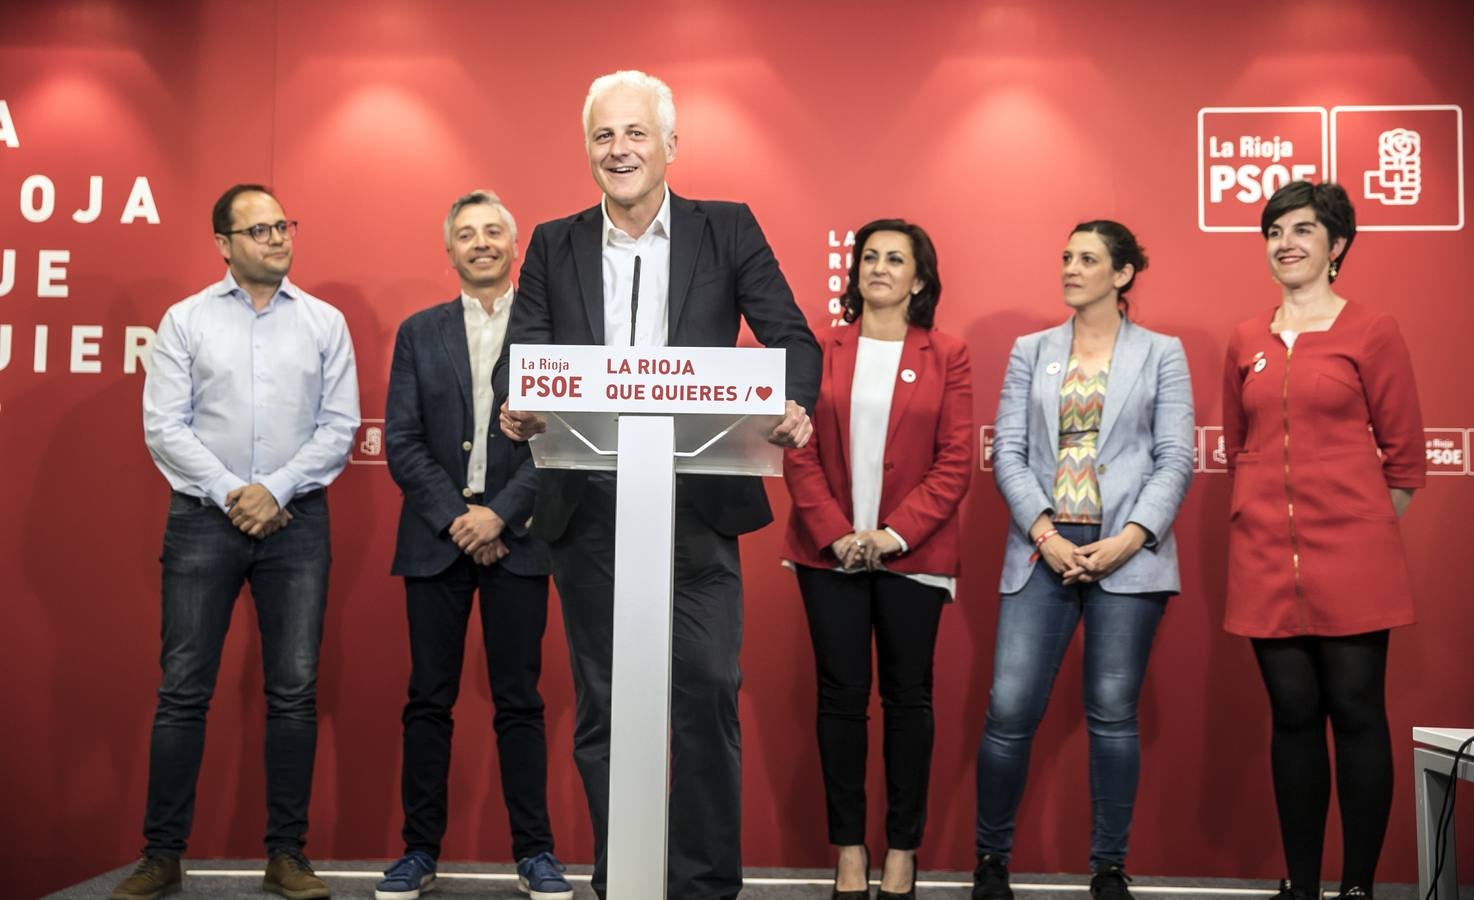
(236, 396)
(620, 250)
(485, 334)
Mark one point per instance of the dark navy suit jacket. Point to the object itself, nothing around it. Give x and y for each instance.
(429, 425)
(722, 272)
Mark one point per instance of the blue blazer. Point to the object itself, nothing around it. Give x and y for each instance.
(1144, 454)
(429, 423)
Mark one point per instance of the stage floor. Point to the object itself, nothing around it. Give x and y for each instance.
(242, 878)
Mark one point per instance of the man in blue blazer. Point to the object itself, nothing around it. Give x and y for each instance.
(701, 267)
(468, 494)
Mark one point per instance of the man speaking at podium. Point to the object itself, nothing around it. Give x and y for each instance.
(648, 268)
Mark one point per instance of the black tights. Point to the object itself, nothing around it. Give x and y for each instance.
(1310, 678)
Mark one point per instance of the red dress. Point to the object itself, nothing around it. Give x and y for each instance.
(1313, 542)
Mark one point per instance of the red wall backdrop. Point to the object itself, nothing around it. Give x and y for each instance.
(996, 125)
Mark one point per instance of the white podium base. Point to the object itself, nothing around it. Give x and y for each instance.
(639, 747)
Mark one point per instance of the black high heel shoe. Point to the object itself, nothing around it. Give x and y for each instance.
(863, 894)
(908, 894)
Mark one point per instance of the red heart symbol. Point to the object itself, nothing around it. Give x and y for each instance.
(765, 392)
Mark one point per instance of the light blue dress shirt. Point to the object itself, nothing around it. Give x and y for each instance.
(234, 396)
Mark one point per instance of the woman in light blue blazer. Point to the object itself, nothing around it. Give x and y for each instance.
(1093, 451)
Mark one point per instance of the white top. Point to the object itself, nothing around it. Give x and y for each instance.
(1289, 338)
(876, 365)
(485, 333)
(620, 251)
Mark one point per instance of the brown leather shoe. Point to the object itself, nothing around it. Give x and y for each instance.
(290, 874)
(152, 878)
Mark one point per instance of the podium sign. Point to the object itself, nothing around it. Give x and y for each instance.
(647, 413)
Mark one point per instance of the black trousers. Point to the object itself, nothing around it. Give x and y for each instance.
(1343, 679)
(706, 741)
(844, 610)
(514, 614)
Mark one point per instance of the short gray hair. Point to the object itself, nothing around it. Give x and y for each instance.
(479, 197)
(665, 102)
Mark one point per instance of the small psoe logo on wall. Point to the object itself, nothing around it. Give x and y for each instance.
(985, 448)
(1211, 454)
(1447, 450)
(1402, 165)
(1246, 153)
(368, 444)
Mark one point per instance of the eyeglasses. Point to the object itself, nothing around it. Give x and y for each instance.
(261, 231)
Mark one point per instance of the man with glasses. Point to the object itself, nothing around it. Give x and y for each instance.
(249, 410)
(468, 493)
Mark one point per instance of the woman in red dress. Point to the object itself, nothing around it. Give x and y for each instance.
(1325, 447)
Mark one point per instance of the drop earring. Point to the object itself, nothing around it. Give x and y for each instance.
(1333, 270)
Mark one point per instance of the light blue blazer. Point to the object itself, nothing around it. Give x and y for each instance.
(1144, 454)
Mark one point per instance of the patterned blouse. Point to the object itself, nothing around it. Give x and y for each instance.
(1076, 491)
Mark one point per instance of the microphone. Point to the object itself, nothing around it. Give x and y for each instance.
(634, 300)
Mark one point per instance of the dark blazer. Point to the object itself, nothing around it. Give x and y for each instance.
(430, 421)
(721, 272)
(930, 454)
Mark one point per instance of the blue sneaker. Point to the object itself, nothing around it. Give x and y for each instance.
(541, 878)
(412, 875)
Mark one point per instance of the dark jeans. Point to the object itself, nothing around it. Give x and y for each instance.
(1343, 679)
(206, 560)
(1035, 626)
(844, 610)
(514, 614)
(705, 841)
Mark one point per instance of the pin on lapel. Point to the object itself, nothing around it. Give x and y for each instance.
(908, 375)
(1260, 364)
(1052, 369)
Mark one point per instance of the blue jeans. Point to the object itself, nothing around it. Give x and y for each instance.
(1035, 626)
(206, 560)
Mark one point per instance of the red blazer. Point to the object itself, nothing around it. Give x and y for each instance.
(1313, 542)
(930, 453)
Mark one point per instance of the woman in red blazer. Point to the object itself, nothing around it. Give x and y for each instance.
(1325, 446)
(874, 538)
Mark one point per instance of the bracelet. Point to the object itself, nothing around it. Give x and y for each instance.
(1039, 541)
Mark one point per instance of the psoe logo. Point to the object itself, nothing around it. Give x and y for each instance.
(1246, 153)
(985, 448)
(1211, 455)
(1447, 451)
(368, 444)
(1402, 165)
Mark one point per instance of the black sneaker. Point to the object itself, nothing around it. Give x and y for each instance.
(990, 879)
(1110, 884)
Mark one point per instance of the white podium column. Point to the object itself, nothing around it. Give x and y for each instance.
(639, 747)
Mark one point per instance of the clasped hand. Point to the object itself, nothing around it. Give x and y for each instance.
(1094, 561)
(865, 549)
(478, 532)
(254, 510)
